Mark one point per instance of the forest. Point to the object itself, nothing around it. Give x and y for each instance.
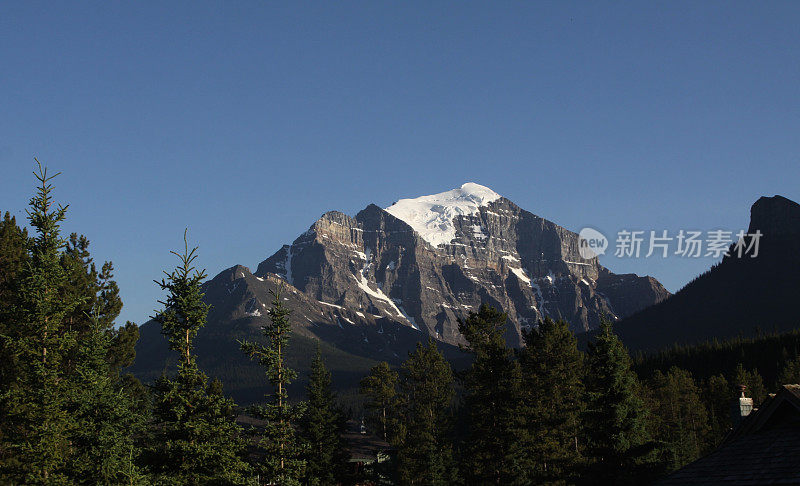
(546, 413)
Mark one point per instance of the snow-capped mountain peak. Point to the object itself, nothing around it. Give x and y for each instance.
(432, 216)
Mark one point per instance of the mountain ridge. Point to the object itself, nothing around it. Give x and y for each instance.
(489, 250)
(371, 286)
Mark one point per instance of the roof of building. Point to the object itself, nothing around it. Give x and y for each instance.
(763, 449)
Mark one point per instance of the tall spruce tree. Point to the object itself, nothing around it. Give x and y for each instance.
(679, 418)
(380, 389)
(196, 439)
(321, 426)
(493, 394)
(425, 455)
(65, 417)
(552, 370)
(615, 418)
(283, 461)
(36, 422)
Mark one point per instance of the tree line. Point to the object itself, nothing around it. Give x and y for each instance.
(546, 413)
(69, 415)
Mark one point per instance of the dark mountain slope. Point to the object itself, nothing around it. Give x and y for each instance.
(738, 296)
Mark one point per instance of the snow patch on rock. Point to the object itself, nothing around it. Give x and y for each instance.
(432, 216)
(520, 273)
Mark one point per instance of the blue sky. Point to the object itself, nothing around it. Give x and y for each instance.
(245, 121)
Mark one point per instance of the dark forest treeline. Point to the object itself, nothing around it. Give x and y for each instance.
(548, 413)
(768, 353)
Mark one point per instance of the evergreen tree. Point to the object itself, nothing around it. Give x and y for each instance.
(321, 427)
(615, 418)
(790, 374)
(679, 419)
(493, 394)
(718, 397)
(753, 381)
(59, 387)
(36, 423)
(552, 370)
(425, 456)
(122, 346)
(96, 291)
(106, 416)
(380, 388)
(283, 453)
(13, 257)
(196, 439)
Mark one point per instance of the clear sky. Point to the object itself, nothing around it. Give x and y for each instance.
(245, 121)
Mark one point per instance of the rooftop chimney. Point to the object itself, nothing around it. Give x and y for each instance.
(742, 406)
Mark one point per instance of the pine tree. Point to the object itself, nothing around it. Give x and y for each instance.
(790, 373)
(196, 439)
(493, 394)
(106, 416)
(36, 423)
(679, 418)
(425, 456)
(13, 258)
(320, 428)
(65, 417)
(718, 396)
(380, 388)
(283, 453)
(96, 291)
(615, 419)
(753, 381)
(552, 370)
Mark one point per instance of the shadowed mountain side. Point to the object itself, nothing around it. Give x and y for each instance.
(738, 296)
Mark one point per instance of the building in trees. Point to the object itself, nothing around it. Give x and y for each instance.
(763, 449)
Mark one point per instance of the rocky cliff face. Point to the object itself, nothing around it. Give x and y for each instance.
(423, 263)
(775, 216)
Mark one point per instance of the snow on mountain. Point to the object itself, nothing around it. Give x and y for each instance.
(432, 216)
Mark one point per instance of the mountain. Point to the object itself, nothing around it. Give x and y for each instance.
(369, 287)
(423, 263)
(738, 296)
